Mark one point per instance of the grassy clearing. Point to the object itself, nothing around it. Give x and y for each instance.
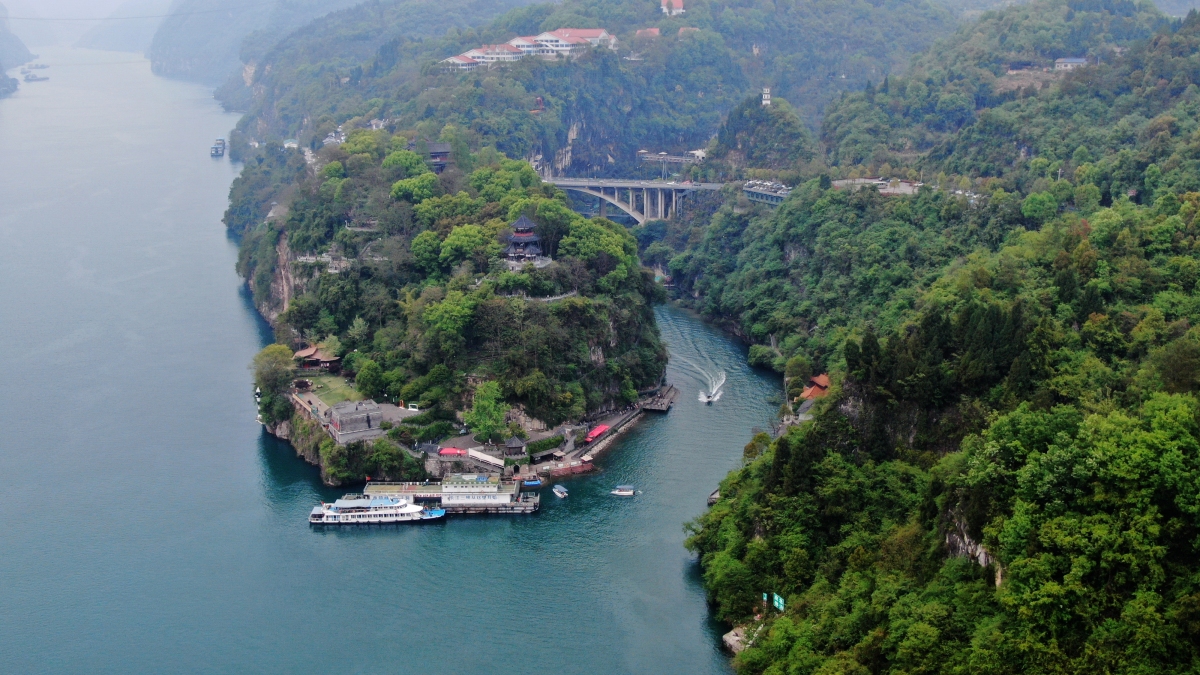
(334, 389)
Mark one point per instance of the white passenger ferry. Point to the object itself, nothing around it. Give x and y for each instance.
(362, 510)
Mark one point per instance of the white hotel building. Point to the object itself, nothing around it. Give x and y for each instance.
(564, 41)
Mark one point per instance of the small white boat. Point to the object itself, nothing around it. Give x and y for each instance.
(560, 492)
(624, 491)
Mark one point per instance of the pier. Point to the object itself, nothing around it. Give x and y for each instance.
(463, 494)
(529, 502)
(663, 401)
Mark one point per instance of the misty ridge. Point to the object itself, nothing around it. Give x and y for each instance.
(218, 42)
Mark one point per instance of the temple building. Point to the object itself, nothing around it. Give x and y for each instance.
(355, 421)
(523, 244)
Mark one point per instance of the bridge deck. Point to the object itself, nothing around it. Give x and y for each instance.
(623, 183)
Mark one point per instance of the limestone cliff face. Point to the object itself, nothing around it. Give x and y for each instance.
(282, 431)
(305, 437)
(284, 284)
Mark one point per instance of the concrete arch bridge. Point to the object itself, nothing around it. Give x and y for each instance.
(642, 199)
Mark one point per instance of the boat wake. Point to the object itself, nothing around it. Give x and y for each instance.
(715, 383)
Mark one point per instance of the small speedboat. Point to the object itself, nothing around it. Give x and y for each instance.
(432, 514)
(560, 492)
(624, 491)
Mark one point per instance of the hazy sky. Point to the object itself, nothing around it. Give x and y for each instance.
(66, 30)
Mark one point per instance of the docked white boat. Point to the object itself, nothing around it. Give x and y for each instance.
(624, 491)
(360, 510)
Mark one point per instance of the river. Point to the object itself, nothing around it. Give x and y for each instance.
(148, 524)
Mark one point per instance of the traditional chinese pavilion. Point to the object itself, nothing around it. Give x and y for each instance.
(523, 244)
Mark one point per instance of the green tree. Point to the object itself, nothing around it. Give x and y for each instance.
(273, 374)
(1087, 198)
(274, 369)
(358, 332)
(456, 209)
(465, 242)
(427, 250)
(415, 190)
(589, 238)
(334, 170)
(487, 412)
(333, 346)
(1039, 207)
(554, 222)
(407, 161)
(369, 379)
(452, 314)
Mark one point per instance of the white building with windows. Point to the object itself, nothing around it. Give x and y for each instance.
(489, 54)
(564, 41)
(460, 62)
(476, 490)
(528, 45)
(1069, 63)
(570, 41)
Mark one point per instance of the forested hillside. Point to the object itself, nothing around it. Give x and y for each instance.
(426, 299)
(668, 92)
(1004, 477)
(831, 258)
(994, 63)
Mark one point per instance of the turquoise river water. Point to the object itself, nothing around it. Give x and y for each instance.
(147, 523)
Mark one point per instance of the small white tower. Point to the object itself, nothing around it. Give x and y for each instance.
(766, 97)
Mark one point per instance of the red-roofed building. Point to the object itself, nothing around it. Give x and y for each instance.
(569, 41)
(315, 357)
(648, 32)
(528, 45)
(460, 63)
(490, 54)
(672, 7)
(817, 387)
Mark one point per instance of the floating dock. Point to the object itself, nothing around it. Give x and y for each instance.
(663, 402)
(463, 494)
(529, 502)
